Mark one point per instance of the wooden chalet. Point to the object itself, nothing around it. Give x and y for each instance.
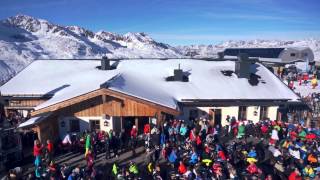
(61, 96)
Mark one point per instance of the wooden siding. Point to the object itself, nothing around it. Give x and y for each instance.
(104, 101)
(111, 106)
(49, 129)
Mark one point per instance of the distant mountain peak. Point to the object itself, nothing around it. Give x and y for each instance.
(81, 31)
(26, 22)
(24, 38)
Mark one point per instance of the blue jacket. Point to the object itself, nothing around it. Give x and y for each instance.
(194, 158)
(162, 139)
(172, 157)
(252, 154)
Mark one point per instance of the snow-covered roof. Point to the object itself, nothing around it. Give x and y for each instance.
(146, 79)
(298, 48)
(34, 120)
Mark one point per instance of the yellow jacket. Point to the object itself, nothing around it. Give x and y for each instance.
(314, 81)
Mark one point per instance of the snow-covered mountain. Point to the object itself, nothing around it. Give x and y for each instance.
(211, 50)
(24, 39)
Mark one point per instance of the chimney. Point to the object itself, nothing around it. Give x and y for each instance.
(242, 66)
(221, 55)
(105, 63)
(178, 74)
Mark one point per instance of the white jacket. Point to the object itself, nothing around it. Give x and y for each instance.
(274, 135)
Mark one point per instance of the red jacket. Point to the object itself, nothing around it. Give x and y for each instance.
(146, 129)
(192, 136)
(264, 129)
(293, 135)
(134, 132)
(89, 160)
(182, 168)
(294, 176)
(198, 140)
(100, 136)
(252, 169)
(50, 147)
(216, 168)
(222, 155)
(37, 150)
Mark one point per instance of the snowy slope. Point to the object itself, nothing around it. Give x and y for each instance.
(5, 71)
(211, 50)
(24, 39)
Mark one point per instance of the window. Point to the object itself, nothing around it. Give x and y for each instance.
(74, 125)
(292, 54)
(305, 54)
(263, 112)
(193, 114)
(242, 113)
(94, 125)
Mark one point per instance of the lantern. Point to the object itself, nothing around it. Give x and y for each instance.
(106, 123)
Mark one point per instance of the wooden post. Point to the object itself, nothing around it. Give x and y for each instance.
(279, 117)
(159, 118)
(136, 122)
(121, 123)
(211, 116)
(6, 113)
(308, 119)
(37, 129)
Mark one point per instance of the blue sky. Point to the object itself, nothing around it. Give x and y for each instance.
(181, 21)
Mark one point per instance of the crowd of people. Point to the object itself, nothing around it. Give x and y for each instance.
(197, 149)
(295, 78)
(237, 151)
